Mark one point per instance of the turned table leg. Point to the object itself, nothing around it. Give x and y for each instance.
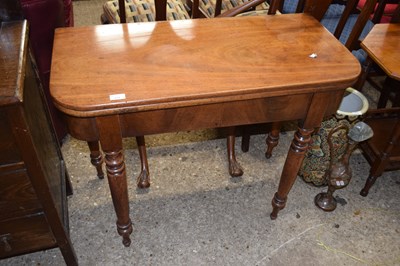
(96, 158)
(234, 167)
(111, 143)
(298, 148)
(272, 139)
(292, 165)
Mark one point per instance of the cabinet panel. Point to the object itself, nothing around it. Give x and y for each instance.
(24, 235)
(44, 141)
(17, 196)
(8, 148)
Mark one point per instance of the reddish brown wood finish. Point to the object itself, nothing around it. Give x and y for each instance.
(235, 169)
(143, 180)
(96, 158)
(272, 139)
(383, 150)
(317, 9)
(197, 74)
(382, 44)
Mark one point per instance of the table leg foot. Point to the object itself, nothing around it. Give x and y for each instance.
(96, 158)
(370, 181)
(235, 169)
(143, 180)
(125, 231)
(119, 192)
(277, 205)
(272, 139)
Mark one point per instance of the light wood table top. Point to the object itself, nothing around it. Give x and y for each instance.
(180, 63)
(383, 46)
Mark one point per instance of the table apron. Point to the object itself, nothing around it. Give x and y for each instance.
(215, 115)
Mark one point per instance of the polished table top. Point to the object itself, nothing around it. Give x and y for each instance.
(146, 66)
(383, 45)
(124, 80)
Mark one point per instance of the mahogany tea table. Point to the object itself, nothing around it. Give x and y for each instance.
(125, 80)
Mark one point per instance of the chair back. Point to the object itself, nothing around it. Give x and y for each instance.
(396, 14)
(316, 8)
(352, 42)
(160, 7)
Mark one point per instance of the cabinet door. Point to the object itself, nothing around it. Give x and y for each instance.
(17, 196)
(26, 234)
(44, 141)
(9, 152)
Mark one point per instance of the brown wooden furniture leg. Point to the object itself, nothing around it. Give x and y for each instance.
(234, 167)
(293, 162)
(111, 143)
(272, 139)
(376, 171)
(297, 150)
(381, 162)
(385, 93)
(396, 88)
(245, 139)
(96, 157)
(368, 184)
(143, 180)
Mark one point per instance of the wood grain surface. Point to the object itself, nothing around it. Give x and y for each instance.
(185, 63)
(383, 45)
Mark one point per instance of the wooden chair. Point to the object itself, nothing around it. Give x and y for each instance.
(118, 11)
(382, 151)
(384, 10)
(371, 70)
(176, 10)
(214, 8)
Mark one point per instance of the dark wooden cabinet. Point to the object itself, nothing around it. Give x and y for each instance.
(33, 179)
